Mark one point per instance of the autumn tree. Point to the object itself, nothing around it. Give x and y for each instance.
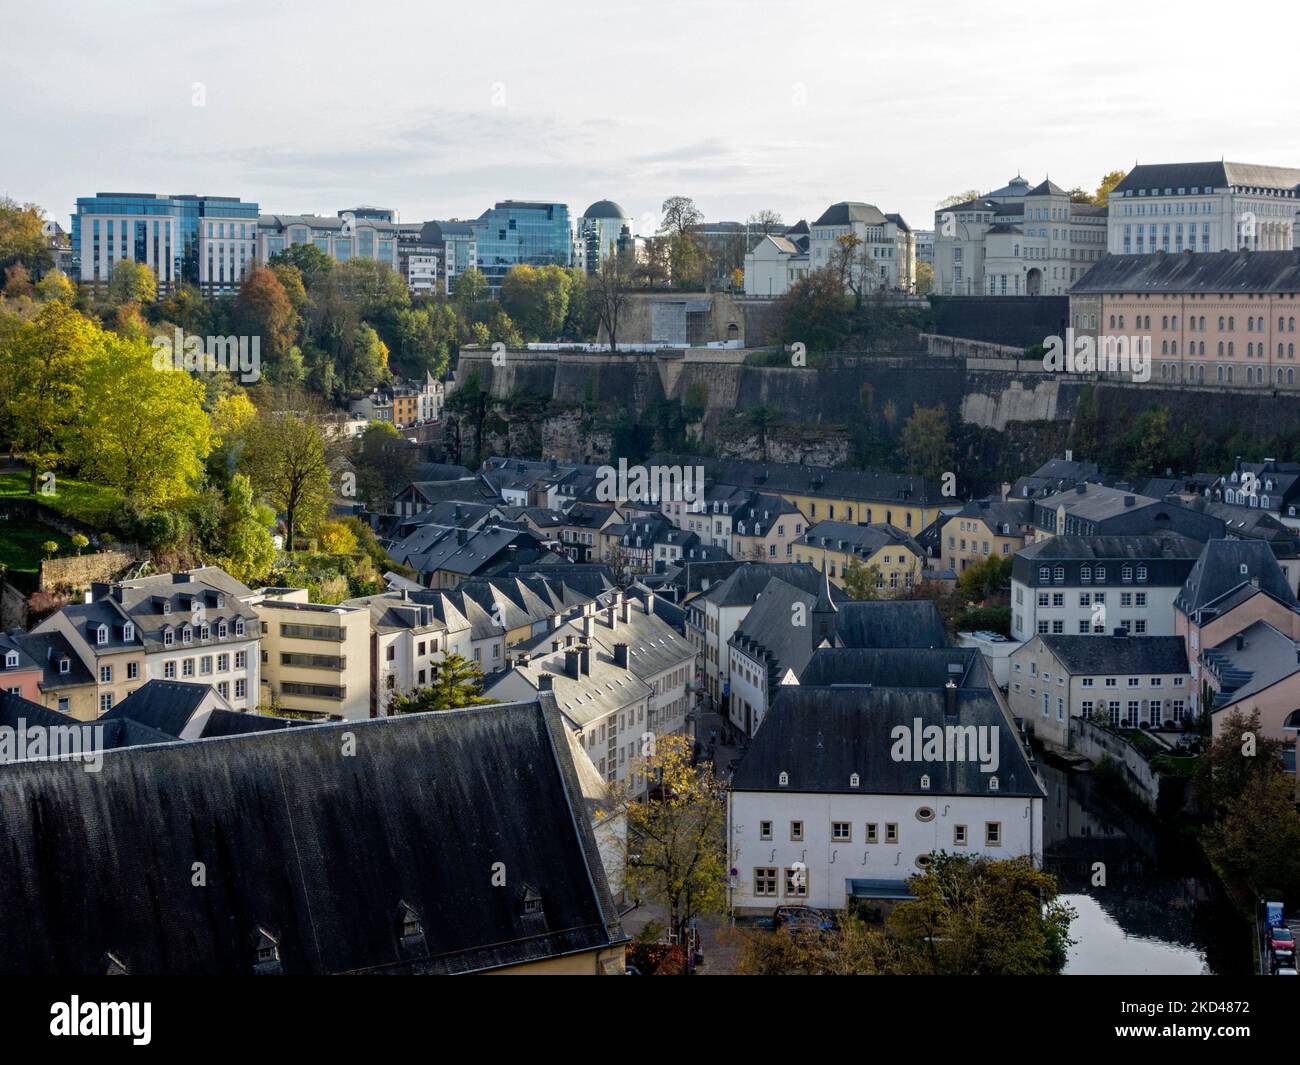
(132, 282)
(676, 846)
(284, 458)
(959, 197)
(851, 948)
(22, 236)
(679, 217)
(310, 262)
(263, 309)
(1257, 838)
(1102, 196)
(55, 287)
(537, 299)
(385, 463)
(1239, 756)
(457, 683)
(815, 312)
(986, 579)
(924, 278)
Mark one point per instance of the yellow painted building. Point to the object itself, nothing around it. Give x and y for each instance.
(833, 545)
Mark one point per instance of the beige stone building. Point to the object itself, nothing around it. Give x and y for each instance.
(315, 657)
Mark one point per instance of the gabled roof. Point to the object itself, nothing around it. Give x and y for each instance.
(1246, 664)
(1206, 176)
(1228, 567)
(1206, 271)
(846, 212)
(316, 850)
(1085, 655)
(896, 667)
(820, 737)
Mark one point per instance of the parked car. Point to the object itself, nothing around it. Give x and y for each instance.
(1281, 941)
(1285, 970)
(802, 919)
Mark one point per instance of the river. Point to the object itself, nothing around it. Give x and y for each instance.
(1146, 901)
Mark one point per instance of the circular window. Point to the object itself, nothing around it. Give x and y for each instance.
(925, 814)
(923, 861)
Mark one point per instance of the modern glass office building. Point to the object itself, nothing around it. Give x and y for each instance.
(209, 241)
(518, 231)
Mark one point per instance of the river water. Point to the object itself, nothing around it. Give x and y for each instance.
(1146, 901)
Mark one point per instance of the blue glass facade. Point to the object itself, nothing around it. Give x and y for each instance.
(515, 232)
(142, 239)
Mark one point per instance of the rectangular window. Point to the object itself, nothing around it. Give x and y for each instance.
(959, 835)
(796, 831)
(841, 831)
(992, 833)
(891, 832)
(796, 882)
(765, 882)
(873, 833)
(765, 830)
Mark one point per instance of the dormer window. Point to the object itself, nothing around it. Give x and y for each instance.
(222, 631)
(128, 632)
(532, 901)
(993, 783)
(168, 637)
(784, 779)
(239, 627)
(65, 665)
(187, 635)
(925, 782)
(11, 660)
(101, 635)
(205, 633)
(266, 954)
(854, 780)
(167, 607)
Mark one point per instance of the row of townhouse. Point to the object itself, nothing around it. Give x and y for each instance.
(620, 675)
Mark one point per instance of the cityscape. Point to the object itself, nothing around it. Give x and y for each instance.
(527, 572)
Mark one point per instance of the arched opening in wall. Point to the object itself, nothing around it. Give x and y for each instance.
(1034, 282)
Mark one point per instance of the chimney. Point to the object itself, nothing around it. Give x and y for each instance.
(588, 627)
(406, 594)
(584, 660)
(1241, 641)
(545, 682)
(555, 645)
(627, 610)
(89, 597)
(1129, 501)
(1254, 581)
(568, 639)
(610, 613)
(950, 699)
(1081, 488)
(571, 664)
(523, 659)
(649, 603)
(620, 655)
(556, 621)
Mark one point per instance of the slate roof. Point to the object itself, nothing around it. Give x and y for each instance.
(862, 540)
(890, 623)
(1218, 574)
(1206, 271)
(821, 736)
(48, 648)
(798, 479)
(164, 705)
(1265, 657)
(895, 667)
(742, 586)
(847, 212)
(316, 850)
(1207, 176)
(1093, 655)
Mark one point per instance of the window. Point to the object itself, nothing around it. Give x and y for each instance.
(132, 670)
(796, 831)
(959, 835)
(992, 833)
(169, 670)
(873, 835)
(765, 881)
(106, 702)
(765, 830)
(105, 674)
(796, 881)
(891, 832)
(841, 831)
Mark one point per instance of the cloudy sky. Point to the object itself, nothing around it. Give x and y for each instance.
(440, 108)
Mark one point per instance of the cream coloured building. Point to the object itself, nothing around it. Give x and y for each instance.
(315, 656)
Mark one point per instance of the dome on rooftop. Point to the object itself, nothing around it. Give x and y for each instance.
(604, 209)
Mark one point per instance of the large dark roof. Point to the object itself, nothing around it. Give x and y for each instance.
(846, 212)
(799, 479)
(604, 209)
(896, 667)
(316, 849)
(1206, 176)
(820, 737)
(890, 623)
(1083, 655)
(1206, 271)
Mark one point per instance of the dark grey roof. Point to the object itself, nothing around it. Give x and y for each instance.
(165, 705)
(604, 209)
(894, 667)
(748, 579)
(1206, 176)
(890, 623)
(1229, 566)
(1047, 188)
(867, 486)
(820, 737)
(1249, 662)
(846, 212)
(1160, 544)
(1084, 655)
(1206, 271)
(319, 852)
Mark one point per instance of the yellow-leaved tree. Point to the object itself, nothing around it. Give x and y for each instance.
(143, 431)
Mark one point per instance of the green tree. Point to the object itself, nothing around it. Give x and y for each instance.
(132, 282)
(385, 464)
(679, 217)
(675, 835)
(815, 312)
(43, 370)
(925, 443)
(988, 578)
(284, 457)
(246, 543)
(311, 263)
(537, 299)
(924, 278)
(143, 431)
(1257, 840)
(457, 682)
(979, 917)
(1238, 757)
(861, 581)
(185, 307)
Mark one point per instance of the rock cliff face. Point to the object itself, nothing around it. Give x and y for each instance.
(575, 405)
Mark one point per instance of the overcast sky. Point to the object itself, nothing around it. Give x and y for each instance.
(439, 109)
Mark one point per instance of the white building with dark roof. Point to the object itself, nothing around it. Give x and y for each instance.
(1218, 206)
(885, 257)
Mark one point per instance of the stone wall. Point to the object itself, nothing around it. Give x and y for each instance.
(1095, 743)
(78, 572)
